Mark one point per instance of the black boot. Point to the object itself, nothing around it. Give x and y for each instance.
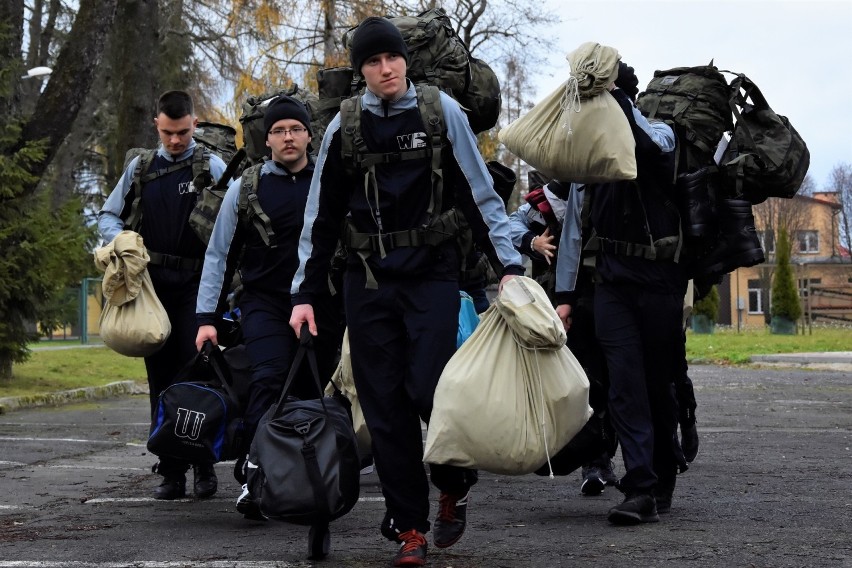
(637, 507)
(695, 203)
(205, 482)
(173, 485)
(738, 245)
(664, 490)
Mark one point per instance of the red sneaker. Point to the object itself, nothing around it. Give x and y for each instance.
(412, 550)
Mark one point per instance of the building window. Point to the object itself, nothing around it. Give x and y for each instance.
(767, 241)
(804, 283)
(808, 242)
(755, 298)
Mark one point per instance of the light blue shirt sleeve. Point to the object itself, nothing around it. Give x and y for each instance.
(215, 259)
(217, 167)
(312, 206)
(481, 184)
(110, 223)
(570, 242)
(660, 132)
(520, 224)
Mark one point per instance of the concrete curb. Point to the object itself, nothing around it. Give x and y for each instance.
(828, 361)
(9, 404)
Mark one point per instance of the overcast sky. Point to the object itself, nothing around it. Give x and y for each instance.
(798, 52)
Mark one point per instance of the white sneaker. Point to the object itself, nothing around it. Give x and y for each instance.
(248, 506)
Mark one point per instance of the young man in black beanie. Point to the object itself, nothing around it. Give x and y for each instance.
(167, 197)
(401, 290)
(266, 259)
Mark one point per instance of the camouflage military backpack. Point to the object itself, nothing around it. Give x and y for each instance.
(221, 139)
(694, 102)
(253, 111)
(766, 156)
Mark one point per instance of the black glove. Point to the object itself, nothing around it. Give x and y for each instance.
(627, 80)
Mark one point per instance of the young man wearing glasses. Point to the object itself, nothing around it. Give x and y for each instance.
(262, 245)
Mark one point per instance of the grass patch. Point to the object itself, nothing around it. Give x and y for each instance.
(64, 369)
(725, 346)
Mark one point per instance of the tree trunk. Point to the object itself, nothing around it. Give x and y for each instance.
(135, 61)
(69, 85)
(11, 37)
(329, 48)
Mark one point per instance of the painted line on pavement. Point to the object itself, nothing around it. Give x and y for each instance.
(77, 424)
(96, 467)
(100, 500)
(71, 440)
(80, 467)
(148, 564)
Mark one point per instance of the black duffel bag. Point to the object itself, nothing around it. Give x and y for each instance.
(199, 417)
(303, 464)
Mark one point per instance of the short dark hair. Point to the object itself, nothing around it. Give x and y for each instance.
(175, 104)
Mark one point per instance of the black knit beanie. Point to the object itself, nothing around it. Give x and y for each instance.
(285, 107)
(375, 35)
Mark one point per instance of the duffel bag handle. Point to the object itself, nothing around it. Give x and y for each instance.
(306, 349)
(306, 339)
(212, 356)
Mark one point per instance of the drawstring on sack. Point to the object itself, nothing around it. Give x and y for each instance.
(543, 411)
(570, 101)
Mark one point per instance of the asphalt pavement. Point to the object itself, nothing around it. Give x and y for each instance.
(771, 487)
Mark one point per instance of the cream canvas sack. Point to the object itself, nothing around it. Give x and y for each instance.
(513, 394)
(578, 133)
(345, 382)
(133, 321)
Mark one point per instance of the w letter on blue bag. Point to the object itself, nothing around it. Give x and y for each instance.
(188, 423)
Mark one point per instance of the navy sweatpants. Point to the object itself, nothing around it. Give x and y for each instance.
(271, 347)
(401, 336)
(642, 337)
(176, 290)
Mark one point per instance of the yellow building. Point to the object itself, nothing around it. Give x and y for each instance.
(823, 268)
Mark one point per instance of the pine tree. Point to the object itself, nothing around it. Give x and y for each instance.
(43, 251)
(785, 297)
(708, 306)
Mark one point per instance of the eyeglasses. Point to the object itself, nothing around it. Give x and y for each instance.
(297, 131)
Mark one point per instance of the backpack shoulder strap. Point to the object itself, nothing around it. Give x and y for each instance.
(350, 125)
(249, 205)
(143, 164)
(201, 166)
(432, 113)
